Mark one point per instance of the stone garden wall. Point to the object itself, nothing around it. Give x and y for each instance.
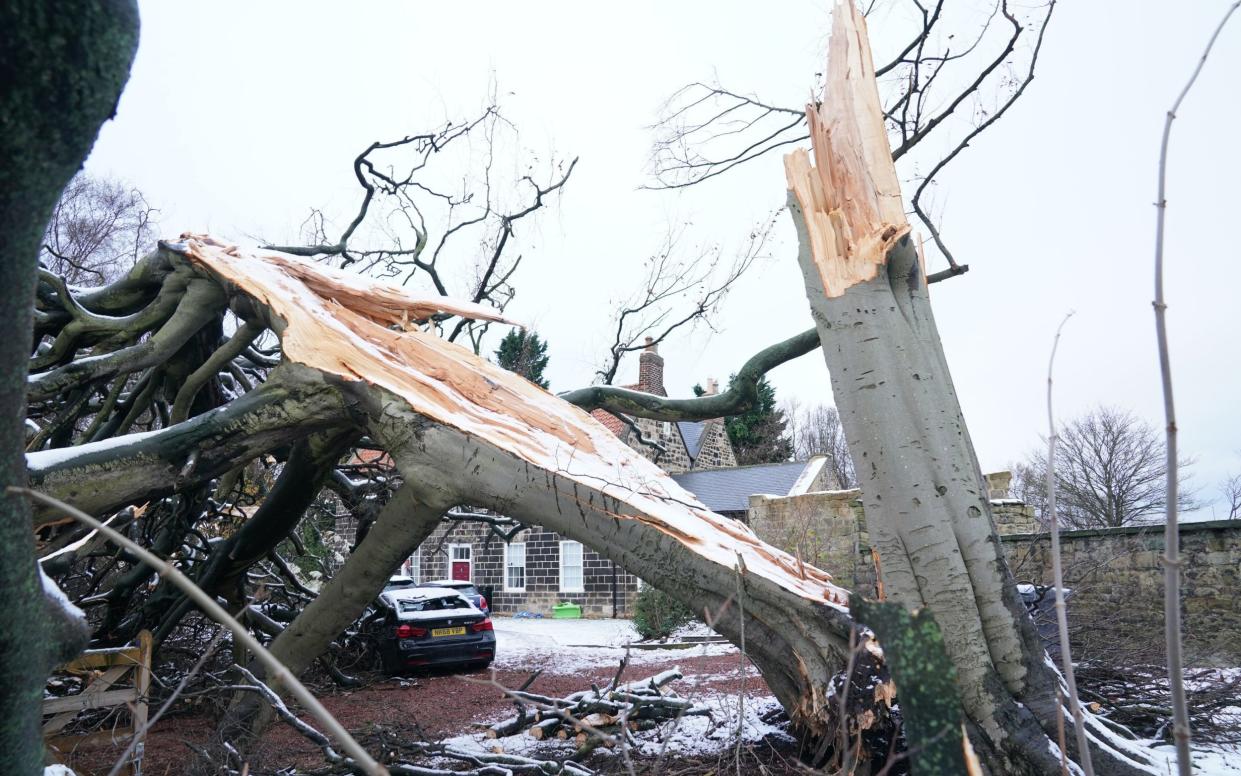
(1115, 574)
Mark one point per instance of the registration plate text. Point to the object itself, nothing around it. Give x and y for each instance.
(459, 631)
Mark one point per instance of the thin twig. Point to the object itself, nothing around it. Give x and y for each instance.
(1062, 620)
(1172, 570)
(275, 668)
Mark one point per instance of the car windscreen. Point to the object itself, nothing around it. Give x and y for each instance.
(433, 604)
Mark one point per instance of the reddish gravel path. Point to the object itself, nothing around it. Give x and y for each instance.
(429, 706)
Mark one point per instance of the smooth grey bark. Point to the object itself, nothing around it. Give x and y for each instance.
(100, 477)
(741, 396)
(797, 644)
(403, 524)
(927, 506)
(310, 463)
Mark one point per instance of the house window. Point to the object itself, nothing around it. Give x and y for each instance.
(413, 565)
(515, 567)
(571, 580)
(461, 562)
(667, 430)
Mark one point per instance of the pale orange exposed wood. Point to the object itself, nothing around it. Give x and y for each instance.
(850, 197)
(346, 326)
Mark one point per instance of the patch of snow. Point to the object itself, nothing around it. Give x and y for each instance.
(58, 770)
(576, 645)
(44, 460)
(693, 736)
(53, 591)
(694, 629)
(1208, 760)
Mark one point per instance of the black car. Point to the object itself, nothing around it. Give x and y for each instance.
(467, 589)
(430, 626)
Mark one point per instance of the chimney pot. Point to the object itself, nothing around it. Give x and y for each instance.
(651, 370)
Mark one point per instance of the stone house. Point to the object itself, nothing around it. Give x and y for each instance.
(538, 568)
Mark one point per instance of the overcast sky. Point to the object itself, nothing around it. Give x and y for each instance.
(241, 116)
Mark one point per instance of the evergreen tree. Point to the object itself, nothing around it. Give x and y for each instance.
(524, 353)
(758, 435)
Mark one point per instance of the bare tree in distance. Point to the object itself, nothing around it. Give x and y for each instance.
(955, 73)
(99, 228)
(1230, 489)
(1110, 472)
(816, 430)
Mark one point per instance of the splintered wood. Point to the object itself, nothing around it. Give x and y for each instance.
(850, 197)
(355, 328)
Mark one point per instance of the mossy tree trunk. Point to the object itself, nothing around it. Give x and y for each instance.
(62, 66)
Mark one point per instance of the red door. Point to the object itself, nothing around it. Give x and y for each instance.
(461, 559)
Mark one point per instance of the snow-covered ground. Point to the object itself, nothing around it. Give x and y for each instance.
(1215, 761)
(689, 736)
(579, 644)
(568, 646)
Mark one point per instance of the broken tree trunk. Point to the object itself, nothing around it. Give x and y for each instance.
(926, 505)
(462, 430)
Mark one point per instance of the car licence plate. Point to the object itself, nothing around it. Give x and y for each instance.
(448, 631)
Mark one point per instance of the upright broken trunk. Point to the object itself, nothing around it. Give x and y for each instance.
(926, 505)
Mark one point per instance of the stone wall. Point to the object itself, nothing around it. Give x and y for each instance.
(716, 452)
(1117, 582)
(826, 529)
(1115, 574)
(675, 458)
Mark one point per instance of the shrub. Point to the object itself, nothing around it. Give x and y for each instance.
(656, 614)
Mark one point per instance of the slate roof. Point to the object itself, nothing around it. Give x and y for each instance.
(694, 434)
(729, 490)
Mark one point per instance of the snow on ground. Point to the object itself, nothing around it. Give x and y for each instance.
(1215, 761)
(569, 646)
(687, 737)
(582, 644)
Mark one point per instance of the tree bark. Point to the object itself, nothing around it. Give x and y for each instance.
(403, 524)
(797, 639)
(103, 476)
(62, 69)
(926, 504)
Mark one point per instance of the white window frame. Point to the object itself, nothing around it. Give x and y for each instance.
(581, 565)
(415, 564)
(509, 587)
(452, 548)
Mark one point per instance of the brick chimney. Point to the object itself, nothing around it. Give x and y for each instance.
(651, 370)
(713, 387)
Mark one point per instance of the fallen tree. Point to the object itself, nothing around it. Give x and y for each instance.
(355, 357)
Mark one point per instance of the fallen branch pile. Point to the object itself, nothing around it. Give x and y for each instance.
(597, 717)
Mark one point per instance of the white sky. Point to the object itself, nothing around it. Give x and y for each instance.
(241, 116)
